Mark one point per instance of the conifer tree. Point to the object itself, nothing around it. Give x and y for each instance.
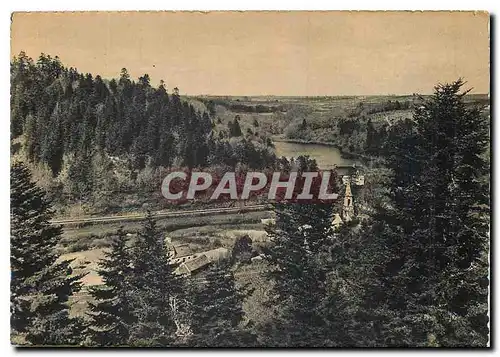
(153, 285)
(430, 245)
(242, 249)
(371, 137)
(40, 285)
(234, 127)
(300, 238)
(303, 125)
(110, 315)
(218, 311)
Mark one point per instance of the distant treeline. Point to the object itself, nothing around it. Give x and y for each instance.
(389, 106)
(385, 106)
(242, 108)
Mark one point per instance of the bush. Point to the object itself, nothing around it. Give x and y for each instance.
(242, 249)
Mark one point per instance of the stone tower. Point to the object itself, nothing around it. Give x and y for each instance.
(348, 208)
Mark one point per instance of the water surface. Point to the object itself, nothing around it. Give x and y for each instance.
(326, 156)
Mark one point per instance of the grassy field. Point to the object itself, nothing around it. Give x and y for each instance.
(97, 236)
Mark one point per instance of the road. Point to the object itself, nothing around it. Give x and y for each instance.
(158, 214)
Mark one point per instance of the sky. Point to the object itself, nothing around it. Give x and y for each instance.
(268, 53)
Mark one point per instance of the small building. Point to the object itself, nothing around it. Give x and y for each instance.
(184, 259)
(195, 262)
(268, 221)
(359, 180)
(192, 265)
(217, 254)
(177, 251)
(257, 258)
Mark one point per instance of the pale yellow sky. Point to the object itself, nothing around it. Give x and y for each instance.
(258, 53)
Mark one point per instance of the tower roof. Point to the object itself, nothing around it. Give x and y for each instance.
(348, 189)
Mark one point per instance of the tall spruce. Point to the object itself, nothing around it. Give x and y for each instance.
(217, 311)
(298, 272)
(153, 285)
(110, 313)
(309, 295)
(40, 284)
(429, 246)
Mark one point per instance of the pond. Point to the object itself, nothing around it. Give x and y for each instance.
(326, 156)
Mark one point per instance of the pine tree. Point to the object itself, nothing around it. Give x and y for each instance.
(40, 286)
(80, 175)
(371, 137)
(110, 315)
(218, 311)
(52, 146)
(429, 246)
(242, 249)
(234, 127)
(300, 239)
(153, 285)
(21, 79)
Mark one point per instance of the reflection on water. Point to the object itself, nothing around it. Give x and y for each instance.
(325, 156)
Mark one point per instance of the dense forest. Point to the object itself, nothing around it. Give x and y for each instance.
(95, 136)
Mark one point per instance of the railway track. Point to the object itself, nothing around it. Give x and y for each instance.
(158, 214)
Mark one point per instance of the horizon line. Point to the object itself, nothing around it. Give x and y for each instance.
(315, 95)
(157, 82)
